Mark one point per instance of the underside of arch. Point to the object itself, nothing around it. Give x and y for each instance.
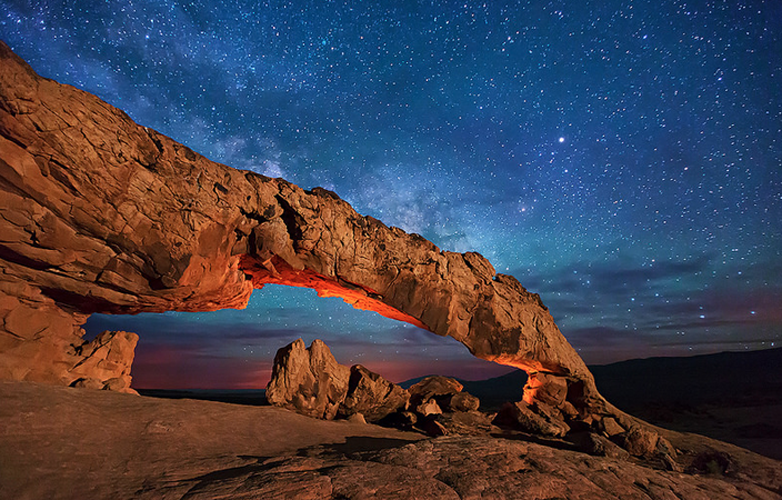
(276, 271)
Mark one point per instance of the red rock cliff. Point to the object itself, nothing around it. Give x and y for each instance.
(99, 214)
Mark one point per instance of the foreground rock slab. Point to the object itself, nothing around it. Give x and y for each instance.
(63, 443)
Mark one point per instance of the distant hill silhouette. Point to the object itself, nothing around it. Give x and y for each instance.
(722, 378)
(251, 397)
(725, 378)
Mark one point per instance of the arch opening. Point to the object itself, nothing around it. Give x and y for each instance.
(234, 349)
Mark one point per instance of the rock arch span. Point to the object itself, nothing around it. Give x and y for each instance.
(99, 214)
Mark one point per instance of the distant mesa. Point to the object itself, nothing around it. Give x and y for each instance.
(101, 215)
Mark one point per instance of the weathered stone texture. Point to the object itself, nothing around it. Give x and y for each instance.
(308, 380)
(311, 382)
(372, 396)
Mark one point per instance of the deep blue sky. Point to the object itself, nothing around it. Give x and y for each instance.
(621, 158)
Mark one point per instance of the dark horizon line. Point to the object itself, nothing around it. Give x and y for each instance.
(249, 391)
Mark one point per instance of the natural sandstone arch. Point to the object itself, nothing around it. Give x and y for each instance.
(99, 214)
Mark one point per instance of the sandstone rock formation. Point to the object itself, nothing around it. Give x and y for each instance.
(463, 401)
(308, 380)
(99, 214)
(311, 382)
(372, 396)
(106, 361)
(525, 418)
(436, 394)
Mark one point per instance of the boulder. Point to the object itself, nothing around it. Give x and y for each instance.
(103, 363)
(371, 395)
(436, 394)
(520, 416)
(428, 407)
(610, 427)
(308, 380)
(404, 420)
(434, 387)
(713, 462)
(569, 411)
(639, 441)
(357, 418)
(108, 359)
(432, 427)
(597, 445)
(547, 388)
(463, 401)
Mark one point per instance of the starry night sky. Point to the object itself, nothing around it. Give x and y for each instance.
(621, 158)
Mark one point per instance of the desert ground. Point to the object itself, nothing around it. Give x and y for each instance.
(63, 443)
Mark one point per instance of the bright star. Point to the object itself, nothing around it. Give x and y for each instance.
(561, 139)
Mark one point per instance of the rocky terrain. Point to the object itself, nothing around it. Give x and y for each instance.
(64, 443)
(730, 396)
(310, 381)
(733, 396)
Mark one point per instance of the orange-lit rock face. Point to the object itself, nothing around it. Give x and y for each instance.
(99, 214)
(544, 387)
(277, 272)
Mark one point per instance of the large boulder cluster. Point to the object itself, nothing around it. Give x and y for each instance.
(600, 435)
(309, 380)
